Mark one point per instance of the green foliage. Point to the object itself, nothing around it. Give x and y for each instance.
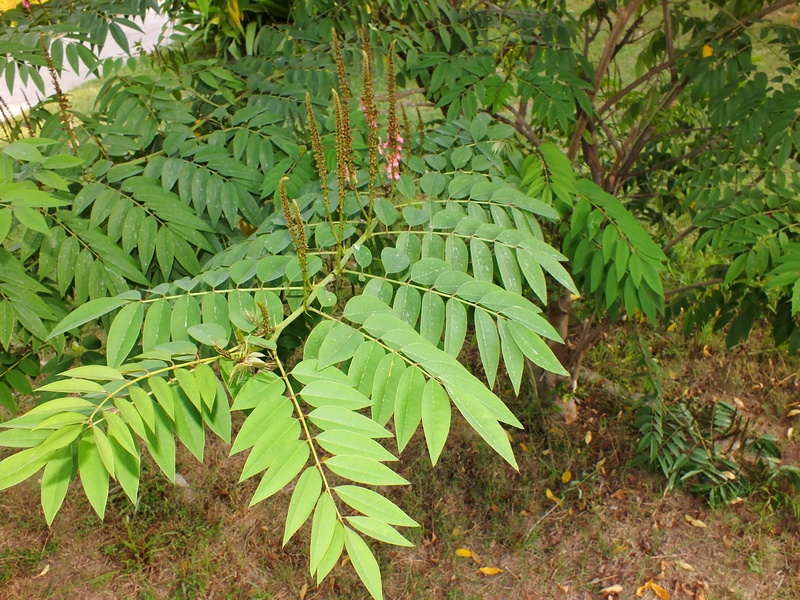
(336, 316)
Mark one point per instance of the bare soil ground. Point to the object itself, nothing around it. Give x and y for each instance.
(608, 528)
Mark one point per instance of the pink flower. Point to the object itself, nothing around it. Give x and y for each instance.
(393, 157)
(26, 5)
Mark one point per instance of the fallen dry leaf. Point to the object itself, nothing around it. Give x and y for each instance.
(707, 351)
(476, 558)
(464, 553)
(588, 438)
(793, 413)
(566, 477)
(695, 522)
(564, 588)
(44, 571)
(552, 496)
(612, 589)
(523, 446)
(656, 589)
(685, 566)
(489, 571)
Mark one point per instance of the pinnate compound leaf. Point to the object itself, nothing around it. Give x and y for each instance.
(364, 563)
(304, 497)
(374, 505)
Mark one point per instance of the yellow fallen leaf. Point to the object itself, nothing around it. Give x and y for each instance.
(552, 496)
(672, 326)
(793, 413)
(707, 351)
(707, 51)
(588, 438)
(685, 566)
(789, 433)
(694, 522)
(656, 589)
(44, 571)
(488, 571)
(660, 591)
(523, 446)
(566, 477)
(564, 588)
(463, 553)
(612, 589)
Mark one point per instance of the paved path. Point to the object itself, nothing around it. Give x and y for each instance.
(152, 28)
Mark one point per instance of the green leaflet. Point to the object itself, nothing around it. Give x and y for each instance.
(304, 497)
(408, 405)
(374, 505)
(384, 387)
(189, 425)
(322, 529)
(435, 418)
(535, 348)
(379, 530)
(488, 344)
(270, 445)
(90, 311)
(340, 441)
(161, 443)
(287, 466)
(55, 482)
(94, 476)
(124, 334)
(513, 358)
(363, 366)
(364, 563)
(483, 422)
(334, 417)
(363, 470)
(455, 327)
(330, 393)
(331, 556)
(273, 408)
(339, 345)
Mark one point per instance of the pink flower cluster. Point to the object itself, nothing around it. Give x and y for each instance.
(393, 159)
(26, 5)
(372, 121)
